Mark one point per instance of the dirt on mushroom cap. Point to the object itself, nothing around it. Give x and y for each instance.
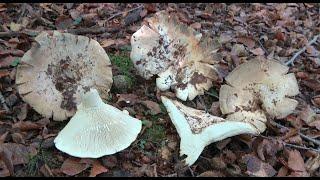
(259, 84)
(180, 56)
(54, 74)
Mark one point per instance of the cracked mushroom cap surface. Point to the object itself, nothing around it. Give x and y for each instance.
(97, 129)
(197, 129)
(259, 85)
(180, 56)
(52, 75)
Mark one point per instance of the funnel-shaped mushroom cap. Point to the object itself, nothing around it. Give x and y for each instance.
(53, 75)
(197, 129)
(97, 129)
(181, 57)
(259, 81)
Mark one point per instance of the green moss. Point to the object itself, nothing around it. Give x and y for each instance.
(156, 133)
(125, 66)
(43, 157)
(123, 62)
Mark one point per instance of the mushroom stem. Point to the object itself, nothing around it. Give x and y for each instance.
(91, 99)
(193, 144)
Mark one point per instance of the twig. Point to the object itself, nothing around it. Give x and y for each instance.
(264, 49)
(191, 171)
(300, 147)
(91, 30)
(317, 142)
(120, 13)
(290, 62)
(291, 145)
(3, 102)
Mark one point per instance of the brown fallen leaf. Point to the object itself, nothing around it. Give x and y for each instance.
(153, 106)
(3, 137)
(97, 169)
(307, 115)
(313, 163)
(283, 171)
(63, 22)
(129, 99)
(280, 36)
(212, 173)
(255, 167)
(257, 52)
(107, 42)
(196, 25)
(26, 125)
(313, 84)
(249, 42)
(4, 73)
(20, 153)
(295, 161)
(72, 166)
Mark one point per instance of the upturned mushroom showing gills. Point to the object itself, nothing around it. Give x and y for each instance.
(97, 129)
(183, 59)
(259, 86)
(197, 129)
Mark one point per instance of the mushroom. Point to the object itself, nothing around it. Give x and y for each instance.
(180, 56)
(97, 129)
(259, 84)
(197, 129)
(52, 75)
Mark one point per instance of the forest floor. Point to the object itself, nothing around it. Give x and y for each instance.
(289, 146)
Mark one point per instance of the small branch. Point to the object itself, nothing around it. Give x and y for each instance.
(315, 141)
(3, 102)
(300, 147)
(120, 13)
(264, 49)
(290, 145)
(290, 62)
(32, 33)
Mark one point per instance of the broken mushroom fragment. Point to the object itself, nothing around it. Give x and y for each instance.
(259, 84)
(197, 129)
(52, 75)
(97, 129)
(180, 56)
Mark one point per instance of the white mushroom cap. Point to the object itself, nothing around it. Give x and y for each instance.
(97, 129)
(197, 129)
(259, 81)
(180, 56)
(53, 75)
